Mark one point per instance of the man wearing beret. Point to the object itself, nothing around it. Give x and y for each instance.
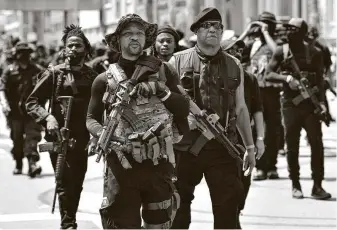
(17, 81)
(138, 171)
(218, 89)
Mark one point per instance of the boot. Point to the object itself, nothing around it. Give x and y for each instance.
(259, 175)
(318, 192)
(34, 169)
(297, 190)
(272, 174)
(18, 168)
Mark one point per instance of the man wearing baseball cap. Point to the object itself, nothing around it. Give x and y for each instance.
(218, 88)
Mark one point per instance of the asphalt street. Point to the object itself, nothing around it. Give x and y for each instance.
(26, 203)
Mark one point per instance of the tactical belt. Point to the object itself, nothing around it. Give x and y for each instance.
(154, 145)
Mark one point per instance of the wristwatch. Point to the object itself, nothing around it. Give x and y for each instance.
(260, 138)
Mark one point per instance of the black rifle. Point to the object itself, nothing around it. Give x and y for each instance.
(119, 109)
(61, 146)
(307, 92)
(210, 128)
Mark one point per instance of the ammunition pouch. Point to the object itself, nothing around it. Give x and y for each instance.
(155, 144)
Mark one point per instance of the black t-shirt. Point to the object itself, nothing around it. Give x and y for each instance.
(252, 94)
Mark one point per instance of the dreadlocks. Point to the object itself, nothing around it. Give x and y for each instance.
(75, 30)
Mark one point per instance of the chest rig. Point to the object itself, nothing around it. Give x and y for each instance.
(146, 124)
(214, 92)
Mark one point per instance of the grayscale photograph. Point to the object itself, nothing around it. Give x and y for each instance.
(168, 114)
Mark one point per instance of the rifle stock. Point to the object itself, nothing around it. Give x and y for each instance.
(210, 128)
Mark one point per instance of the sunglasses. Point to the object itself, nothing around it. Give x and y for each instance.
(216, 25)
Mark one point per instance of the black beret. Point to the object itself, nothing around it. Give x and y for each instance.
(207, 14)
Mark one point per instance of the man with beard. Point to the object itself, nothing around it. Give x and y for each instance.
(140, 176)
(255, 109)
(260, 53)
(75, 81)
(218, 88)
(310, 62)
(17, 81)
(166, 43)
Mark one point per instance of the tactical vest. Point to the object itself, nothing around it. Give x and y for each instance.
(304, 62)
(219, 89)
(141, 117)
(260, 56)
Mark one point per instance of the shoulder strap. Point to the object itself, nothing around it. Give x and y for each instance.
(52, 99)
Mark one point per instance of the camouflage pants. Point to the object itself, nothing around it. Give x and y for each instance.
(25, 134)
(126, 191)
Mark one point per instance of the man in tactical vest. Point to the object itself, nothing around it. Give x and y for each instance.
(17, 81)
(255, 109)
(140, 161)
(261, 51)
(216, 86)
(298, 110)
(72, 78)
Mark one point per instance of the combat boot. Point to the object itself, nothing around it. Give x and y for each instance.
(34, 168)
(18, 168)
(318, 192)
(297, 190)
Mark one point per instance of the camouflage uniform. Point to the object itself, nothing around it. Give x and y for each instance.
(17, 83)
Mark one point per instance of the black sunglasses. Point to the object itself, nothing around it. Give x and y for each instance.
(216, 25)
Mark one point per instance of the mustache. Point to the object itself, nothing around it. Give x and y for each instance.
(134, 43)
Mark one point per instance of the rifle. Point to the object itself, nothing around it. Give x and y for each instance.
(118, 110)
(61, 146)
(307, 92)
(210, 128)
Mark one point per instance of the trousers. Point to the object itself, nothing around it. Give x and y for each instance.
(296, 118)
(222, 175)
(25, 134)
(69, 191)
(272, 116)
(144, 186)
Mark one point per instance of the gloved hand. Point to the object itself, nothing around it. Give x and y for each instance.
(150, 88)
(53, 126)
(294, 84)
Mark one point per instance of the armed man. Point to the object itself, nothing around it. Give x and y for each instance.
(101, 63)
(71, 80)
(17, 81)
(137, 136)
(254, 105)
(260, 52)
(213, 80)
(301, 67)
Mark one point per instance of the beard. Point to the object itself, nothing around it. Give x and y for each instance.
(134, 49)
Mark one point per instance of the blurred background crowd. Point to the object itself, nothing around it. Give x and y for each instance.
(41, 22)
